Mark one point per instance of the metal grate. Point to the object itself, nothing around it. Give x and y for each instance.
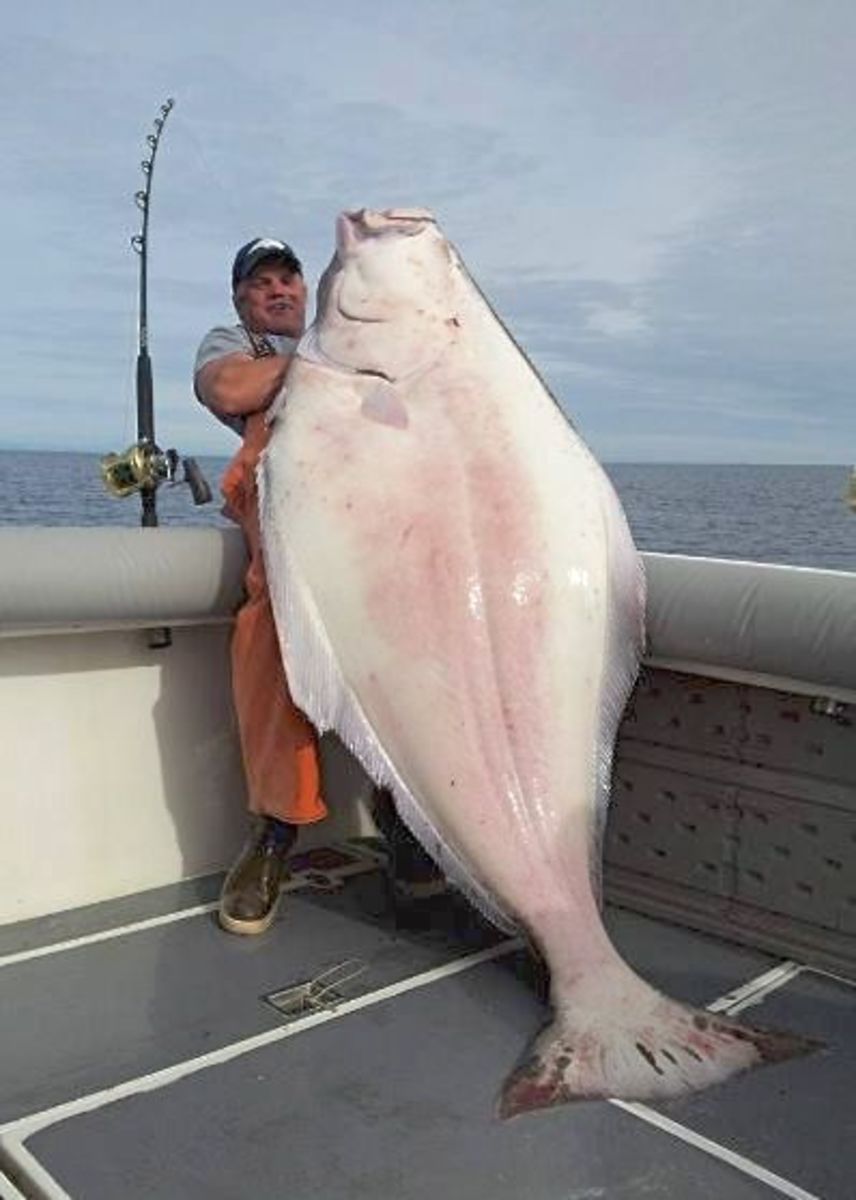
(322, 993)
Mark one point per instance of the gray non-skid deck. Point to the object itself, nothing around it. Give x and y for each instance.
(149, 1065)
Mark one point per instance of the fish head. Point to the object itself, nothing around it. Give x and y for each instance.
(385, 304)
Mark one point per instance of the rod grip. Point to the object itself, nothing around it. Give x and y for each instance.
(145, 398)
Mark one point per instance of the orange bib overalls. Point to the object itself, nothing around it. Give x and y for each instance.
(279, 746)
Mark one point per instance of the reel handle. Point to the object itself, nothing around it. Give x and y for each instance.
(196, 481)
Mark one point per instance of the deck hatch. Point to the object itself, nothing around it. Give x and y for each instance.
(321, 993)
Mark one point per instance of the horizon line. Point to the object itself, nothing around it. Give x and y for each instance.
(629, 462)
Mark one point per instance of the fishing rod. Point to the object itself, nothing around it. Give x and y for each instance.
(143, 467)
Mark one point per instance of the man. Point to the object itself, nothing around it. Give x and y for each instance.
(239, 371)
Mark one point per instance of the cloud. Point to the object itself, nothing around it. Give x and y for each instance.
(655, 198)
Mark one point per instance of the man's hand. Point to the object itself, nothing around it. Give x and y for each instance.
(238, 385)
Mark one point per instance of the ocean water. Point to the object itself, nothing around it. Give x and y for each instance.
(785, 514)
(38, 488)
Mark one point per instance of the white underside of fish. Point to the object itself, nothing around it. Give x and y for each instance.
(459, 598)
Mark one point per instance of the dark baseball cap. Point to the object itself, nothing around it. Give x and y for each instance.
(259, 250)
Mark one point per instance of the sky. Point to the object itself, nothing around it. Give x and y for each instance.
(657, 196)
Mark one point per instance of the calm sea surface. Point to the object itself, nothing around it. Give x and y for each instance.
(787, 514)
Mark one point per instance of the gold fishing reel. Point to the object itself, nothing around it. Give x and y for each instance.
(141, 466)
(144, 467)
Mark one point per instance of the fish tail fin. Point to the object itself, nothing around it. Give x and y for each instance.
(640, 1046)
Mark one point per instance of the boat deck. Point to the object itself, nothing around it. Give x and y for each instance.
(142, 1058)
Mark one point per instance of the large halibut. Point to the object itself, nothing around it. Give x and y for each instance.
(459, 597)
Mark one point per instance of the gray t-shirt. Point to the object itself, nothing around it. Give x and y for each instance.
(234, 339)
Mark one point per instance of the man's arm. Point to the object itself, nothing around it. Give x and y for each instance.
(237, 384)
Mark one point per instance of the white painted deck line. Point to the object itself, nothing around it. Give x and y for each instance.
(14, 1133)
(40, 1184)
(105, 935)
(8, 1191)
(24, 1127)
(745, 1165)
(757, 989)
(832, 975)
(297, 884)
(754, 991)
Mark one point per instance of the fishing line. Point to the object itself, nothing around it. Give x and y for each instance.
(143, 467)
(132, 316)
(207, 170)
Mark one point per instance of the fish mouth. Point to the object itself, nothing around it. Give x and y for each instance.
(354, 227)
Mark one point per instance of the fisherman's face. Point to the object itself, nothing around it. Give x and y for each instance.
(272, 300)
